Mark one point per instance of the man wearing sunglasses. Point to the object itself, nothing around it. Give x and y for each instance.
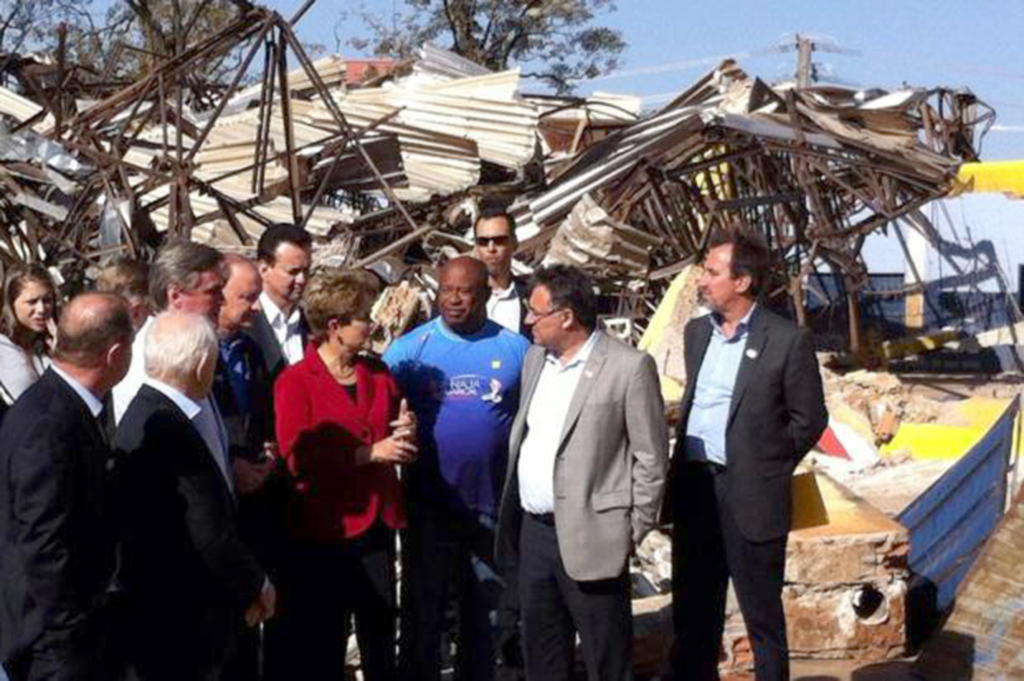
(495, 236)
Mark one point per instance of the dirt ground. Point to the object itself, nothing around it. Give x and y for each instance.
(844, 670)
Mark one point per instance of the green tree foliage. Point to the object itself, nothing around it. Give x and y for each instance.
(555, 41)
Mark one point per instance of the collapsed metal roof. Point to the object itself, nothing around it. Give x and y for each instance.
(381, 166)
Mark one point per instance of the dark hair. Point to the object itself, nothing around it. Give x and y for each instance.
(496, 210)
(571, 289)
(750, 255)
(281, 233)
(180, 264)
(84, 336)
(14, 283)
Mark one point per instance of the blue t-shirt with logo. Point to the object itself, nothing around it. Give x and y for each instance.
(464, 391)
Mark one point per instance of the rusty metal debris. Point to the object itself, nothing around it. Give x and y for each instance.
(394, 164)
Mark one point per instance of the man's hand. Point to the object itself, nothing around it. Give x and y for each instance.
(249, 476)
(263, 607)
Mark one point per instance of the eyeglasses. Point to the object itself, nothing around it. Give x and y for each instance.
(533, 314)
(503, 240)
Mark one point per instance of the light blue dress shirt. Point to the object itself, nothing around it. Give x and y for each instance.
(712, 397)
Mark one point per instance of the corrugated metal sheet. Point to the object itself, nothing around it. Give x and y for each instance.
(278, 209)
(441, 63)
(433, 162)
(952, 519)
(21, 109)
(481, 108)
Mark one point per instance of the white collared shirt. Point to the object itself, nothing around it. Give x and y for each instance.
(545, 420)
(93, 403)
(125, 391)
(206, 419)
(287, 330)
(504, 308)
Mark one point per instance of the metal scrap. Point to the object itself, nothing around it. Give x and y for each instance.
(379, 164)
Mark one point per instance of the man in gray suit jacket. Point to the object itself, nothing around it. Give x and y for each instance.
(587, 462)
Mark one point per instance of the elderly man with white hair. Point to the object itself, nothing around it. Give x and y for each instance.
(191, 584)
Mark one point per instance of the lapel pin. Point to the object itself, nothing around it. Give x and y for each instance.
(588, 373)
(751, 353)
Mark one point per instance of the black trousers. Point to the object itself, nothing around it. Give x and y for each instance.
(324, 585)
(87, 654)
(707, 549)
(442, 551)
(554, 607)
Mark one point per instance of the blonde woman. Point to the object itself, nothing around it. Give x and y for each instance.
(344, 431)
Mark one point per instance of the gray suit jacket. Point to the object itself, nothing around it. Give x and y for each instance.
(611, 464)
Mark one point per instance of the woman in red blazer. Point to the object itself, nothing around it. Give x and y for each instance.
(343, 430)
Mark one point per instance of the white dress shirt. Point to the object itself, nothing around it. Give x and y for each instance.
(125, 391)
(287, 330)
(545, 419)
(504, 308)
(206, 419)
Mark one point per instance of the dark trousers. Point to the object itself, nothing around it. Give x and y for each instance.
(324, 585)
(92, 650)
(165, 643)
(707, 549)
(554, 607)
(441, 551)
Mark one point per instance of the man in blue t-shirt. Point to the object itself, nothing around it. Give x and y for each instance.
(460, 373)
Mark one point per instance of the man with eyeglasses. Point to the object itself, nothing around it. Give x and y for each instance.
(495, 237)
(588, 453)
(460, 373)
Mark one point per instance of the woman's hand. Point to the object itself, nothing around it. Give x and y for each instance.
(404, 427)
(393, 449)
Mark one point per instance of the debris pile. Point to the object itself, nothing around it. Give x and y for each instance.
(394, 162)
(881, 400)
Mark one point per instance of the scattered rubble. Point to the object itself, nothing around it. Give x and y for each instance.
(392, 159)
(387, 164)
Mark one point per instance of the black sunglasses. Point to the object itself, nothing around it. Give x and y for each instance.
(502, 240)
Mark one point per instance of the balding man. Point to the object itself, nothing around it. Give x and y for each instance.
(57, 536)
(242, 391)
(460, 373)
(241, 386)
(187, 575)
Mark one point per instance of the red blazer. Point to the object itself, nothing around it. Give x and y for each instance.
(319, 428)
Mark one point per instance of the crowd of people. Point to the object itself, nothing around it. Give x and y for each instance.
(205, 474)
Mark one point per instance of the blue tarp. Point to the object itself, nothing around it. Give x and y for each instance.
(952, 519)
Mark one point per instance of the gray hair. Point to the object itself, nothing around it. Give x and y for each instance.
(177, 343)
(181, 264)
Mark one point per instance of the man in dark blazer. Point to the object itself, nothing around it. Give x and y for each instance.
(190, 582)
(284, 253)
(752, 409)
(57, 531)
